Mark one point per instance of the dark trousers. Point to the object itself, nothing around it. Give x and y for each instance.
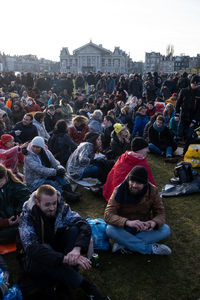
(64, 274)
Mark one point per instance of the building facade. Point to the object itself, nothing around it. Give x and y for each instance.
(155, 62)
(92, 57)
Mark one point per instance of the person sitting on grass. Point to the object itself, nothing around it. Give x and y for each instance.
(120, 140)
(136, 216)
(41, 167)
(54, 251)
(13, 194)
(161, 140)
(136, 156)
(11, 154)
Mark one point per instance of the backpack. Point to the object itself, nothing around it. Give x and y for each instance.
(99, 236)
(183, 171)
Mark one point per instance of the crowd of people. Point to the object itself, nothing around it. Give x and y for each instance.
(62, 128)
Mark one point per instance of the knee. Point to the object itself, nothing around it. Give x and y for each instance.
(111, 231)
(165, 229)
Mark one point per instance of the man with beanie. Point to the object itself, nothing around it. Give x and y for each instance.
(136, 216)
(125, 163)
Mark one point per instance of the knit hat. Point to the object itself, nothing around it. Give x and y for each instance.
(6, 138)
(138, 174)
(195, 79)
(38, 141)
(118, 127)
(174, 94)
(138, 143)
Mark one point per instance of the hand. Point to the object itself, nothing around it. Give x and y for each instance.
(149, 225)
(24, 145)
(17, 132)
(137, 224)
(84, 262)
(13, 220)
(72, 257)
(60, 171)
(191, 125)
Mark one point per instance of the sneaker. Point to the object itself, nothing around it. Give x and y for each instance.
(161, 249)
(93, 292)
(117, 247)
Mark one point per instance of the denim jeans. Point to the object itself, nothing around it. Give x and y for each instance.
(140, 242)
(155, 149)
(92, 171)
(60, 180)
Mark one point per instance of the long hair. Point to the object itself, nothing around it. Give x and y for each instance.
(7, 173)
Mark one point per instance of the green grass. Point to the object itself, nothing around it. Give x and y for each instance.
(148, 277)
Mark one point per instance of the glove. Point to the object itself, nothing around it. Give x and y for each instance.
(60, 172)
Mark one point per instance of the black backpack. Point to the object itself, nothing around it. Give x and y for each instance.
(183, 171)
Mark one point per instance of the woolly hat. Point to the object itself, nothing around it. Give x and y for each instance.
(38, 141)
(195, 79)
(138, 174)
(138, 143)
(6, 138)
(118, 127)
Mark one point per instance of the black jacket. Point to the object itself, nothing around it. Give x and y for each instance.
(188, 105)
(162, 139)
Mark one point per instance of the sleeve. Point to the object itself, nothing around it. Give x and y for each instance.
(179, 102)
(111, 215)
(38, 168)
(20, 195)
(6, 154)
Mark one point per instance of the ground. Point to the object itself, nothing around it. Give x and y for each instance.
(148, 277)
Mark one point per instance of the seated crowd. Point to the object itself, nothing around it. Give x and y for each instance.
(60, 133)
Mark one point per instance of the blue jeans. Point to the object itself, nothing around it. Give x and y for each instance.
(60, 180)
(155, 149)
(140, 242)
(92, 171)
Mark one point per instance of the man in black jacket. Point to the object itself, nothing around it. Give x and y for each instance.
(24, 131)
(54, 240)
(188, 107)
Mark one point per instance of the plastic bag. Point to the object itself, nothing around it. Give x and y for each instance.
(99, 236)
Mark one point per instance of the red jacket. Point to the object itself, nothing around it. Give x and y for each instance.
(120, 170)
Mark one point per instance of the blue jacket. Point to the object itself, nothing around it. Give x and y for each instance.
(139, 125)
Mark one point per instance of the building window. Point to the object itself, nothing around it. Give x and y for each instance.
(103, 62)
(109, 62)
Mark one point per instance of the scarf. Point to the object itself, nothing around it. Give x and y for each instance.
(44, 159)
(159, 129)
(123, 195)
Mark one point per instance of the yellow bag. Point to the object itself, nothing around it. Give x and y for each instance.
(193, 155)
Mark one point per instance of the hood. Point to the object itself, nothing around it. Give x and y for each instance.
(28, 205)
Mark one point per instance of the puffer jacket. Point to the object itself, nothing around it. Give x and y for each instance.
(35, 239)
(79, 160)
(34, 172)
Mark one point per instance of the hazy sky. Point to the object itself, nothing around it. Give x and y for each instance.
(43, 27)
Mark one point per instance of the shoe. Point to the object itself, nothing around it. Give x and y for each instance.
(171, 159)
(117, 247)
(161, 249)
(70, 197)
(92, 291)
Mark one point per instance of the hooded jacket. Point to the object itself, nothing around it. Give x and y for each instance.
(34, 236)
(35, 173)
(125, 163)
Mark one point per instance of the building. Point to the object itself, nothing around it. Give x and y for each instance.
(92, 57)
(155, 62)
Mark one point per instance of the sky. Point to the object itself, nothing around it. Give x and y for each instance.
(43, 27)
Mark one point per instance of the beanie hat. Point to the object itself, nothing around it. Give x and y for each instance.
(38, 141)
(138, 174)
(91, 137)
(6, 138)
(118, 127)
(138, 143)
(174, 94)
(195, 79)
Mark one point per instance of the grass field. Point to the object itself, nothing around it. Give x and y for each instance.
(148, 277)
